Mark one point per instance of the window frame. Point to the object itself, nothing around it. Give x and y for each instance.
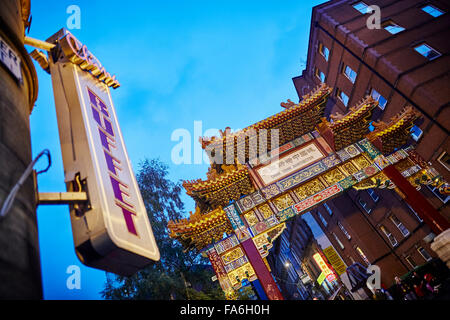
(349, 75)
(372, 91)
(344, 231)
(413, 264)
(362, 255)
(371, 193)
(400, 226)
(327, 207)
(341, 245)
(413, 135)
(322, 219)
(430, 257)
(366, 7)
(391, 23)
(392, 239)
(321, 51)
(414, 213)
(442, 163)
(338, 94)
(368, 210)
(319, 75)
(434, 9)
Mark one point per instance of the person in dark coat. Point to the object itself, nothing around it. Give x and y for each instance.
(416, 279)
(430, 284)
(403, 291)
(418, 285)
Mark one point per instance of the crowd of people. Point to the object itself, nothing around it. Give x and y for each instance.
(416, 287)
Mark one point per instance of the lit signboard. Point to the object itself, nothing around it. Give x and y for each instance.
(335, 260)
(326, 271)
(79, 54)
(320, 278)
(113, 231)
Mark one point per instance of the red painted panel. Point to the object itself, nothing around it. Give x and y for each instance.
(417, 201)
(263, 274)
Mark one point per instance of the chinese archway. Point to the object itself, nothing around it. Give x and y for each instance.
(242, 206)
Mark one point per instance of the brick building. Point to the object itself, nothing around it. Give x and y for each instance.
(404, 62)
(324, 168)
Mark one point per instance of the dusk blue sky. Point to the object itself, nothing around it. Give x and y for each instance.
(225, 63)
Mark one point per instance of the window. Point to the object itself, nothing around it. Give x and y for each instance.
(433, 11)
(284, 245)
(297, 262)
(350, 74)
(342, 96)
(337, 240)
(415, 213)
(427, 51)
(378, 97)
(330, 212)
(302, 236)
(444, 159)
(291, 272)
(351, 259)
(400, 225)
(441, 196)
(411, 261)
(364, 205)
(362, 255)
(424, 254)
(373, 195)
(389, 235)
(322, 218)
(299, 243)
(392, 27)
(320, 75)
(361, 7)
(324, 51)
(344, 231)
(416, 132)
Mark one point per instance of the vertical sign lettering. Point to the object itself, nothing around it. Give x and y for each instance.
(108, 140)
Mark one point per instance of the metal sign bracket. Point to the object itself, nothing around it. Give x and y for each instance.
(62, 197)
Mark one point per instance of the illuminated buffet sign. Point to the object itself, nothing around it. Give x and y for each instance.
(327, 272)
(79, 54)
(113, 233)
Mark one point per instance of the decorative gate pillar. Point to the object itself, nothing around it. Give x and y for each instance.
(253, 254)
(319, 161)
(417, 201)
(388, 137)
(261, 270)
